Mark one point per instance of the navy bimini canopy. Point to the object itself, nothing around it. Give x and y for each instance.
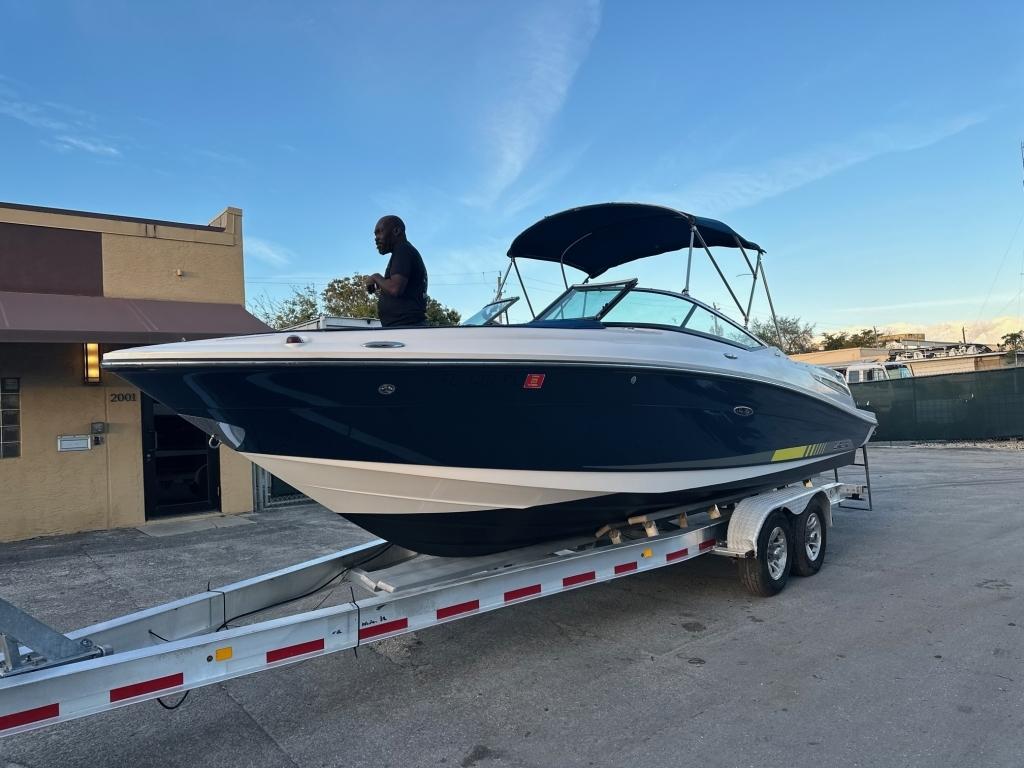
(595, 238)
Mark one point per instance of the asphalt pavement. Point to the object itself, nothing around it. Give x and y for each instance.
(905, 650)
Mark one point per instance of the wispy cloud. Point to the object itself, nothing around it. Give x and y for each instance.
(546, 56)
(723, 191)
(31, 114)
(87, 145)
(67, 122)
(222, 157)
(268, 252)
(921, 304)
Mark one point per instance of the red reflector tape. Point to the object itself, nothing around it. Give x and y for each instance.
(29, 716)
(625, 567)
(376, 630)
(706, 545)
(579, 578)
(679, 553)
(534, 381)
(515, 594)
(279, 654)
(149, 686)
(455, 610)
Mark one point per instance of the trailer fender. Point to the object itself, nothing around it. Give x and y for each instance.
(748, 518)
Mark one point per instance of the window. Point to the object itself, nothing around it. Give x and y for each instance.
(642, 306)
(584, 301)
(10, 418)
(853, 377)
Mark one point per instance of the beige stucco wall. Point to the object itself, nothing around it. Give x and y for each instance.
(46, 492)
(841, 356)
(236, 491)
(43, 491)
(148, 266)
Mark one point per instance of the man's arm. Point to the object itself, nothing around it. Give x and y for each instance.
(392, 286)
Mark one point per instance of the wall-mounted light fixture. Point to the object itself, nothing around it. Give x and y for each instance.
(91, 367)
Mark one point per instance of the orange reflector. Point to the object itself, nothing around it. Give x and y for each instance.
(647, 553)
(223, 654)
(534, 381)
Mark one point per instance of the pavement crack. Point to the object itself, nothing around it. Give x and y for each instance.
(259, 726)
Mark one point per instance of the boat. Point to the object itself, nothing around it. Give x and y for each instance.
(614, 401)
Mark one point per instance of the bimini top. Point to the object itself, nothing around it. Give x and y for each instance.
(595, 238)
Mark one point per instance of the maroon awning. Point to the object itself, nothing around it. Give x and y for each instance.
(49, 317)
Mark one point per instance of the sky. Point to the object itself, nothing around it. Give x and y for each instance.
(873, 149)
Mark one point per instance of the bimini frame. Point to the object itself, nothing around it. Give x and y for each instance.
(756, 267)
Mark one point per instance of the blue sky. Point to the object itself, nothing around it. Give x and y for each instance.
(872, 149)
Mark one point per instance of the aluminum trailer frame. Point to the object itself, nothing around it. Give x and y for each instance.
(190, 643)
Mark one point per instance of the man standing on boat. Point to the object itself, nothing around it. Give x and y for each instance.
(402, 289)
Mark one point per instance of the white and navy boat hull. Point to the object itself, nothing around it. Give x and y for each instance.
(498, 437)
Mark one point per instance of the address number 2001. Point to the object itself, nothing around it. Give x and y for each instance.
(122, 397)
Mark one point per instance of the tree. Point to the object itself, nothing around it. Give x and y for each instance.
(797, 337)
(301, 306)
(866, 337)
(342, 297)
(1013, 341)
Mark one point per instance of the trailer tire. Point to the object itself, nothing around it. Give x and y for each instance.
(766, 574)
(810, 537)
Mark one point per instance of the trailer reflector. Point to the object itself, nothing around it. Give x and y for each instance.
(376, 630)
(223, 654)
(677, 555)
(27, 716)
(579, 578)
(299, 649)
(147, 686)
(455, 610)
(516, 594)
(625, 568)
(706, 545)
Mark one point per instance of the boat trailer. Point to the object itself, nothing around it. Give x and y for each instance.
(375, 591)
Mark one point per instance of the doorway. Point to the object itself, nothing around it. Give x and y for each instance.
(181, 472)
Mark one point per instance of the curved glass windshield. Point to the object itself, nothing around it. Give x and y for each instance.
(621, 304)
(585, 302)
(489, 314)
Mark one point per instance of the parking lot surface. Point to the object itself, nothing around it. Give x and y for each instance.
(905, 650)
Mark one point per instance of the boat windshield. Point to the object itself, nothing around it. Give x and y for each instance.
(489, 314)
(620, 304)
(586, 302)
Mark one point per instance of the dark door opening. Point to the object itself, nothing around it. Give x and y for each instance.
(181, 473)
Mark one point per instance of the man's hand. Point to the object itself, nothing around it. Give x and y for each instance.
(373, 282)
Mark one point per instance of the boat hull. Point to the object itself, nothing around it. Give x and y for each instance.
(451, 511)
(466, 458)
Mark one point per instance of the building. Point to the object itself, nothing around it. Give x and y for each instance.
(81, 449)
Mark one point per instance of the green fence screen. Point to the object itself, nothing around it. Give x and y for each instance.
(955, 406)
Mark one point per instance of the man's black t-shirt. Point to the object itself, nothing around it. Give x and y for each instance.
(409, 307)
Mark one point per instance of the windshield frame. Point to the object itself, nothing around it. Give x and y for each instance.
(630, 286)
(507, 302)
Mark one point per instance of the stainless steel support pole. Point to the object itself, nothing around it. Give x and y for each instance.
(721, 274)
(501, 285)
(768, 293)
(689, 258)
(523, 286)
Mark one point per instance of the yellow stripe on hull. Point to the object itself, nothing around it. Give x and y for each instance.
(788, 454)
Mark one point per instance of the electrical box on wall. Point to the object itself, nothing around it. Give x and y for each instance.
(74, 443)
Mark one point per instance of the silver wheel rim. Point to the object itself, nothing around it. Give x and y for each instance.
(812, 537)
(777, 553)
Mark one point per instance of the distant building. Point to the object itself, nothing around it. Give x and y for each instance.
(81, 449)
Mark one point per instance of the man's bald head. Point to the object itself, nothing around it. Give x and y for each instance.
(389, 232)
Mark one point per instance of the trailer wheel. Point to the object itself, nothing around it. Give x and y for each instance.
(809, 540)
(767, 573)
